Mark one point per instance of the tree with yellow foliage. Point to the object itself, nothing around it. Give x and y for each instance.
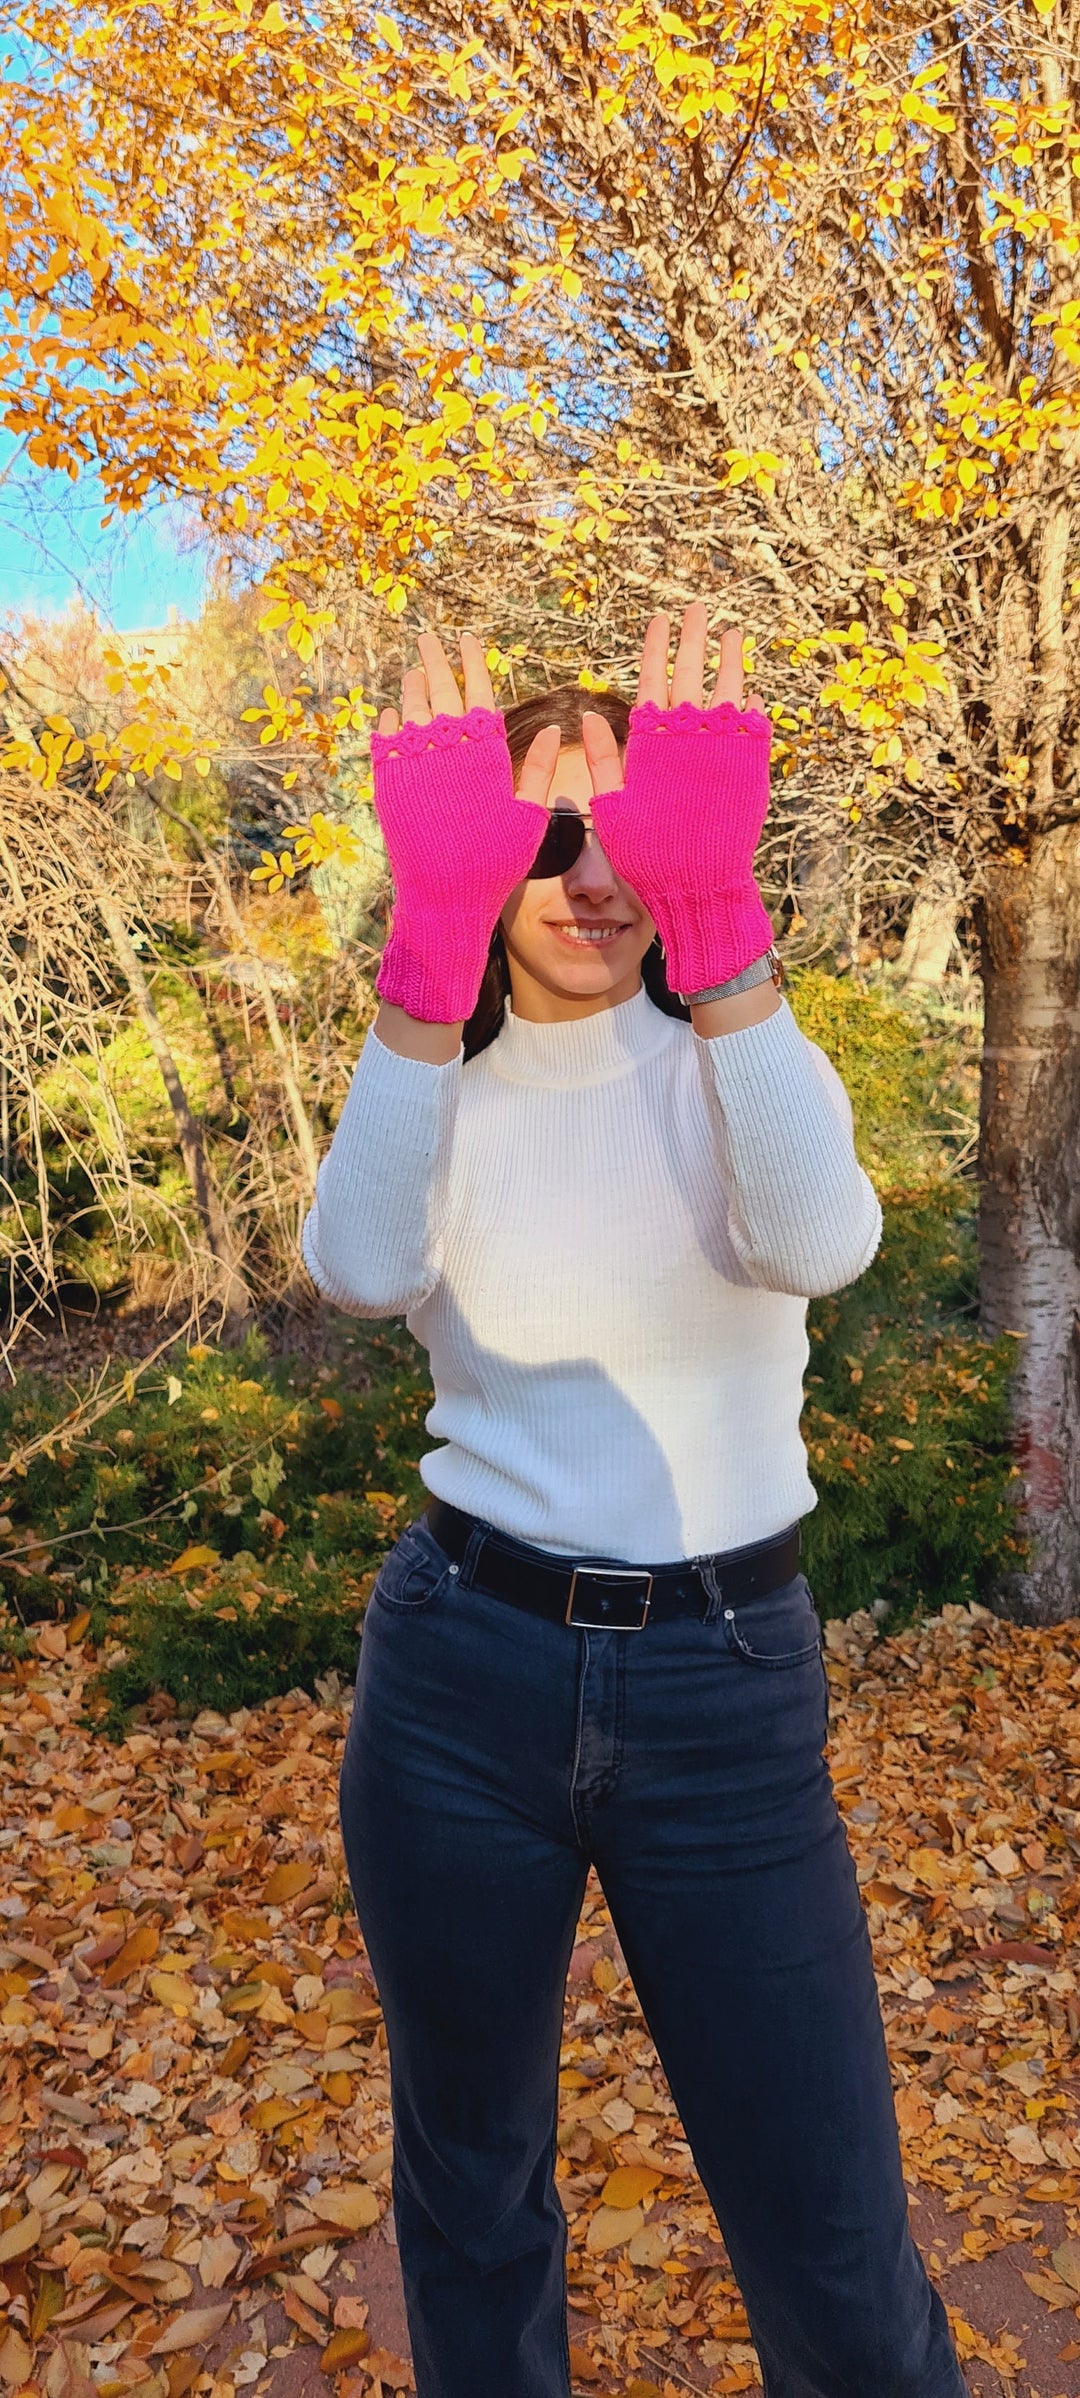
(372, 290)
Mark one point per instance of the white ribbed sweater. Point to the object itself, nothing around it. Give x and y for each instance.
(604, 1233)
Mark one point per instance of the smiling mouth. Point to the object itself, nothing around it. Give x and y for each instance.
(590, 936)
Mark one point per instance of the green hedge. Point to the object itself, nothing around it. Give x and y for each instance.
(907, 1423)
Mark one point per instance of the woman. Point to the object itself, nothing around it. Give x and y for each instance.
(600, 1173)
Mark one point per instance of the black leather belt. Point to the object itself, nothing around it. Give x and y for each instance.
(611, 1598)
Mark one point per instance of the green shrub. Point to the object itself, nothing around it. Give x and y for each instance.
(285, 1478)
(911, 1073)
(907, 1423)
(225, 1635)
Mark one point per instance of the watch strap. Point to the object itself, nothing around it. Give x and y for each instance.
(762, 970)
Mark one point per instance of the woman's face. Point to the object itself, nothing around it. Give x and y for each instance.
(553, 970)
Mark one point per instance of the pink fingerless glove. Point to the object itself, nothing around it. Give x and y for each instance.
(458, 840)
(683, 832)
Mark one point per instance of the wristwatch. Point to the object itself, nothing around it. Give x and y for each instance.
(769, 968)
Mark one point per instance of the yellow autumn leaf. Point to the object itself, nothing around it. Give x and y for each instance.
(354, 2209)
(286, 1882)
(611, 2227)
(173, 1990)
(344, 2348)
(140, 1945)
(189, 1559)
(20, 2237)
(628, 2185)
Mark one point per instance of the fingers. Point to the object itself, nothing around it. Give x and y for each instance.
(729, 679)
(478, 690)
(444, 698)
(539, 763)
(688, 678)
(601, 752)
(388, 721)
(414, 697)
(754, 700)
(688, 674)
(652, 677)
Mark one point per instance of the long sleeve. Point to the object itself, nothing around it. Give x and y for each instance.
(372, 1238)
(804, 1217)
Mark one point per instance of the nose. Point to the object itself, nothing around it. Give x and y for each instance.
(591, 877)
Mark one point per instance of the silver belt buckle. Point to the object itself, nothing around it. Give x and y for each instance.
(608, 1573)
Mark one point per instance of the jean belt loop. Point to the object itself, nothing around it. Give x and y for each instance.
(475, 1543)
(709, 1576)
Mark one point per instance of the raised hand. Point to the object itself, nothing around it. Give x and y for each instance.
(682, 821)
(458, 835)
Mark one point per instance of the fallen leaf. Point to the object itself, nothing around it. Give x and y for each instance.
(16, 2359)
(20, 2237)
(649, 2247)
(192, 2329)
(912, 2112)
(629, 2184)
(286, 1882)
(302, 2316)
(219, 2256)
(1024, 2144)
(354, 2209)
(384, 2367)
(142, 1944)
(1066, 2262)
(173, 1990)
(1053, 2293)
(198, 1554)
(611, 2227)
(344, 2348)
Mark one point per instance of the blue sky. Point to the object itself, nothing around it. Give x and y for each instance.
(53, 550)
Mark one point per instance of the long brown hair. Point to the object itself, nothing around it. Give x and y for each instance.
(564, 707)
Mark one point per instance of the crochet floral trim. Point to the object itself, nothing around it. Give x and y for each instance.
(686, 718)
(444, 732)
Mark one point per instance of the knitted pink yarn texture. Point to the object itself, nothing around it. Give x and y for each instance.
(458, 840)
(683, 832)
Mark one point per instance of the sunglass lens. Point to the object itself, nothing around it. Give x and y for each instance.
(561, 846)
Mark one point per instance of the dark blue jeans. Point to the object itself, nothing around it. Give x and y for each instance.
(492, 1756)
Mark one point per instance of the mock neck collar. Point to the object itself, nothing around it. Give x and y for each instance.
(587, 1049)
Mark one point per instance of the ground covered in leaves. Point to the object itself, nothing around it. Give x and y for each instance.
(194, 2107)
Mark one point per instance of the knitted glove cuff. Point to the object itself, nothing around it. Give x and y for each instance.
(724, 720)
(484, 725)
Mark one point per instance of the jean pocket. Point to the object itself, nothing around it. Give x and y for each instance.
(781, 1630)
(416, 1574)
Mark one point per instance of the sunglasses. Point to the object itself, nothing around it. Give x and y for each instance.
(561, 845)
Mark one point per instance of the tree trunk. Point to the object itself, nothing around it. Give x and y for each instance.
(931, 927)
(1028, 920)
(233, 1291)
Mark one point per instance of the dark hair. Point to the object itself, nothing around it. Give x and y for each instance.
(564, 707)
